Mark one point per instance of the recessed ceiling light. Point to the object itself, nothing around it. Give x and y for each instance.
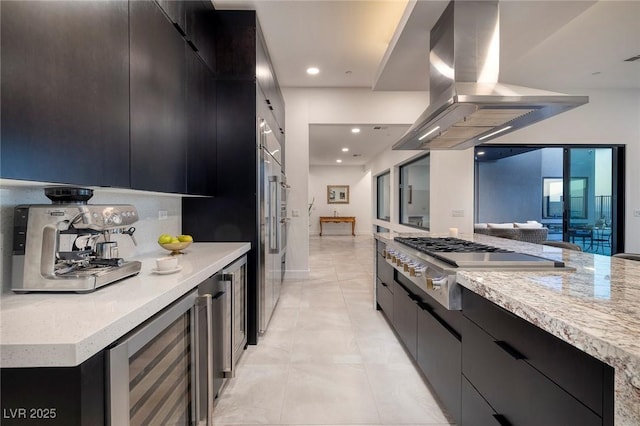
(345, 149)
(480, 152)
(338, 161)
(313, 70)
(355, 130)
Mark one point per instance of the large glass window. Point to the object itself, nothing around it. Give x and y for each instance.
(414, 193)
(384, 192)
(581, 191)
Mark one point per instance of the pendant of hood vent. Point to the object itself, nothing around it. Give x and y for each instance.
(463, 112)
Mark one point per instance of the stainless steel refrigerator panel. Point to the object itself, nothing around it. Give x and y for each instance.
(270, 221)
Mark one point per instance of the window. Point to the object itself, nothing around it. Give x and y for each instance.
(384, 191)
(414, 193)
(552, 202)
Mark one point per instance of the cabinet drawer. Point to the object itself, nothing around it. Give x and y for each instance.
(405, 318)
(384, 271)
(384, 296)
(475, 410)
(575, 371)
(439, 357)
(514, 389)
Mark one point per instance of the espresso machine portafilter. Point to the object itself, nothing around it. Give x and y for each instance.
(66, 246)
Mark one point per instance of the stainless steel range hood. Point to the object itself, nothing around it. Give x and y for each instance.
(468, 106)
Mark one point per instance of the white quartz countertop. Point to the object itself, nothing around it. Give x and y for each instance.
(66, 329)
(596, 308)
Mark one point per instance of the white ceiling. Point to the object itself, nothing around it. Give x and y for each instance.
(561, 45)
(329, 139)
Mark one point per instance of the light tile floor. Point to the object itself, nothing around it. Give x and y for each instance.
(328, 356)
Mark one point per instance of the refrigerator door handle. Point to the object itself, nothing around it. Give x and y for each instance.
(274, 233)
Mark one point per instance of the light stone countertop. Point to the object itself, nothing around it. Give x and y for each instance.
(66, 329)
(596, 308)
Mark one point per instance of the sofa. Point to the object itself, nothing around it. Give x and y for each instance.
(531, 231)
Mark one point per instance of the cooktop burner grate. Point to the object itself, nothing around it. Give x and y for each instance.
(431, 245)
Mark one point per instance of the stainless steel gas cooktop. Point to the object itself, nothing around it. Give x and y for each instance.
(469, 254)
(431, 263)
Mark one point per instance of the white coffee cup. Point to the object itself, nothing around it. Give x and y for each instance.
(166, 263)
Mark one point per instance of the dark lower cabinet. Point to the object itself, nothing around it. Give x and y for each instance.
(384, 296)
(384, 270)
(157, 94)
(405, 318)
(475, 410)
(65, 91)
(439, 357)
(64, 396)
(501, 359)
(515, 390)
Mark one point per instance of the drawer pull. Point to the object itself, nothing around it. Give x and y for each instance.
(509, 349)
(502, 421)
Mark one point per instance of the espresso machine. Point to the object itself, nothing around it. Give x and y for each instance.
(66, 246)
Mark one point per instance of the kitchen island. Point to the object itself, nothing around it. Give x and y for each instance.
(595, 308)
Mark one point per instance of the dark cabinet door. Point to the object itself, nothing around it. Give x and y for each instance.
(384, 271)
(201, 126)
(439, 355)
(475, 410)
(405, 318)
(175, 10)
(65, 92)
(158, 130)
(200, 30)
(384, 296)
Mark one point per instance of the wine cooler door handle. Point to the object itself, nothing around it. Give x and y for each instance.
(210, 391)
(227, 365)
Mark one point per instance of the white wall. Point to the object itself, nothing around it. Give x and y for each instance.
(148, 227)
(359, 181)
(337, 106)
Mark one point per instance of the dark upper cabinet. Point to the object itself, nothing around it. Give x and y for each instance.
(158, 118)
(200, 30)
(65, 92)
(268, 82)
(242, 53)
(175, 10)
(201, 126)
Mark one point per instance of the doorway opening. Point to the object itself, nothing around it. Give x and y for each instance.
(575, 191)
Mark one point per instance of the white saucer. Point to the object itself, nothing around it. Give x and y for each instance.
(168, 271)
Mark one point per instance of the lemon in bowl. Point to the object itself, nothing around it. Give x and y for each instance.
(175, 244)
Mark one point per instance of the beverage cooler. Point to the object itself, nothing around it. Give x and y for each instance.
(170, 370)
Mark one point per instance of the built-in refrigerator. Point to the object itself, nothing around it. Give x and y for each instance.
(271, 221)
(247, 94)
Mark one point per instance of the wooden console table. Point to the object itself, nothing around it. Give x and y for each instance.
(339, 219)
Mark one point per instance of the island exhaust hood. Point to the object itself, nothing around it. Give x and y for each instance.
(468, 106)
